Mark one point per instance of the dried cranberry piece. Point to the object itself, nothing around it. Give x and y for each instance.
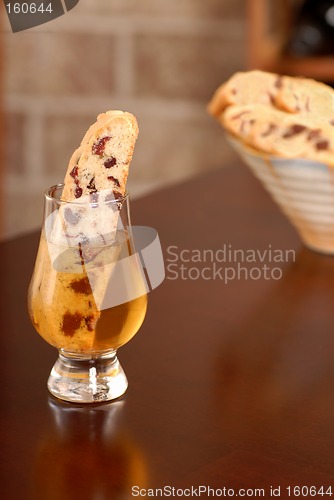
(82, 260)
(78, 192)
(322, 145)
(294, 130)
(111, 162)
(114, 180)
(74, 172)
(99, 146)
(81, 286)
(71, 323)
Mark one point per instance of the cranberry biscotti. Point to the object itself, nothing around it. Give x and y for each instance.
(101, 163)
(281, 134)
(278, 115)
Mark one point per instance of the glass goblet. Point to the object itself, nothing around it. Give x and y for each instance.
(87, 295)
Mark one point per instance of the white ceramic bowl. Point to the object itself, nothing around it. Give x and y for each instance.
(303, 189)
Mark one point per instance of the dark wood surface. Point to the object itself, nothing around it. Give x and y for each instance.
(230, 385)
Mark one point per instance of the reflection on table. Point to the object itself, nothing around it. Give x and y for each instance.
(102, 463)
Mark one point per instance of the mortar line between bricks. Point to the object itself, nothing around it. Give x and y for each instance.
(83, 105)
(120, 25)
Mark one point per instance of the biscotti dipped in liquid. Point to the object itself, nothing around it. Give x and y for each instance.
(63, 304)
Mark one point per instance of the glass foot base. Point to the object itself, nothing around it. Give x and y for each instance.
(87, 380)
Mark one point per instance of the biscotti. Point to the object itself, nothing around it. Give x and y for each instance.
(293, 95)
(101, 163)
(96, 177)
(282, 134)
(304, 95)
(278, 115)
(245, 88)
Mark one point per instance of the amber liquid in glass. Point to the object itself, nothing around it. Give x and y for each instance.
(63, 306)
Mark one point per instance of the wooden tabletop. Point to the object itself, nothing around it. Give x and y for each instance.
(231, 381)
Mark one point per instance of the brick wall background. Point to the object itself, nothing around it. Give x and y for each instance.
(159, 59)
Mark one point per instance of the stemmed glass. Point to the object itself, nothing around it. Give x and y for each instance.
(87, 295)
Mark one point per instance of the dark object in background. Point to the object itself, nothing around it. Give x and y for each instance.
(313, 30)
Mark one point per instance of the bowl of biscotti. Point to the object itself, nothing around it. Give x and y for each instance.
(283, 129)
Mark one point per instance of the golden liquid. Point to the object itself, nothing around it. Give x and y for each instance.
(63, 307)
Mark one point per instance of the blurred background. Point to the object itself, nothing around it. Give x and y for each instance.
(160, 60)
